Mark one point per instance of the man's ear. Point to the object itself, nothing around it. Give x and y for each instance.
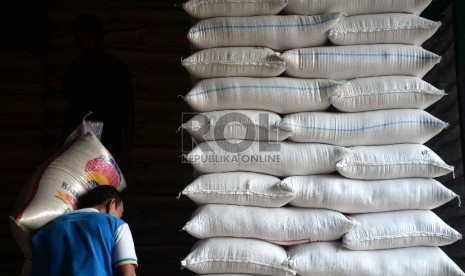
(108, 205)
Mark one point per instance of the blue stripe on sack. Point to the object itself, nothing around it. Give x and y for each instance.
(366, 128)
(192, 32)
(364, 55)
(275, 87)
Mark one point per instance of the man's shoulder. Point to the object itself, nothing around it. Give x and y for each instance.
(90, 214)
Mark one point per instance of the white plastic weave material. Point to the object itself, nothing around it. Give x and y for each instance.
(56, 185)
(354, 7)
(392, 161)
(239, 188)
(329, 259)
(257, 125)
(358, 61)
(365, 196)
(386, 92)
(383, 28)
(279, 159)
(235, 255)
(395, 229)
(381, 127)
(278, 32)
(285, 225)
(281, 95)
(234, 62)
(201, 9)
(227, 274)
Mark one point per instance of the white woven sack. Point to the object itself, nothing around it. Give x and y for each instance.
(392, 161)
(235, 255)
(56, 185)
(358, 61)
(395, 229)
(383, 28)
(278, 32)
(329, 259)
(234, 62)
(379, 127)
(365, 196)
(279, 159)
(257, 125)
(228, 274)
(240, 188)
(354, 7)
(283, 225)
(215, 8)
(281, 95)
(386, 92)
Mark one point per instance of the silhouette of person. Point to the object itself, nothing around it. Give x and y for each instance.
(99, 83)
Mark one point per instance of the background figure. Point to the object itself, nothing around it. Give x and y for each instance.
(99, 83)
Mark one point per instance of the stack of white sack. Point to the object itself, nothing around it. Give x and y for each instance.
(241, 150)
(264, 116)
(386, 180)
(222, 195)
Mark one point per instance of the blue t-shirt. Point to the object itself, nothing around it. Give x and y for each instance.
(82, 242)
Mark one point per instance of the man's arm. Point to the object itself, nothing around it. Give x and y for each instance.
(126, 270)
(124, 254)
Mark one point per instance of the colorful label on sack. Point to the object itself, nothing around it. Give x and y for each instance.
(68, 195)
(102, 170)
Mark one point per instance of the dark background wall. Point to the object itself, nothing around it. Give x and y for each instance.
(149, 37)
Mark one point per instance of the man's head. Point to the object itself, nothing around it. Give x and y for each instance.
(88, 33)
(105, 198)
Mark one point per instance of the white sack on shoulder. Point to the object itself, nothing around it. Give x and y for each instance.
(215, 8)
(365, 196)
(234, 62)
(235, 255)
(239, 188)
(386, 92)
(227, 274)
(392, 161)
(383, 28)
(329, 259)
(358, 61)
(279, 159)
(257, 125)
(277, 225)
(381, 127)
(281, 95)
(354, 7)
(395, 229)
(278, 32)
(54, 188)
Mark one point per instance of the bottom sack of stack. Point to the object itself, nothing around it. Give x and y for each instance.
(330, 258)
(255, 257)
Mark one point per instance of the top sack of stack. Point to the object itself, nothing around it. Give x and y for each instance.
(201, 9)
(275, 32)
(383, 28)
(354, 7)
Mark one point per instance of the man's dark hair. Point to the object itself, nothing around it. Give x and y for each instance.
(87, 22)
(98, 195)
